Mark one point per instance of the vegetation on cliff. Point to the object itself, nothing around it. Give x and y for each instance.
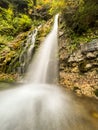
(81, 15)
(79, 41)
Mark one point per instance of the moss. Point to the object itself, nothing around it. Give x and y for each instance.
(10, 53)
(74, 40)
(8, 77)
(5, 39)
(44, 30)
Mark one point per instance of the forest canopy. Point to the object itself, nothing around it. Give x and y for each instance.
(19, 15)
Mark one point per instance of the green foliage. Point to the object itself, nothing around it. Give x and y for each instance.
(82, 16)
(6, 17)
(38, 22)
(4, 39)
(21, 23)
(57, 6)
(6, 14)
(11, 24)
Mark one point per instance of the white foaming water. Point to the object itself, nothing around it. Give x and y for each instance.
(43, 68)
(43, 107)
(33, 39)
(26, 54)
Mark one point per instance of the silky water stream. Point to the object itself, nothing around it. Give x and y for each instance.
(39, 104)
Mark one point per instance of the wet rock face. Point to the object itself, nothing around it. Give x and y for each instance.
(85, 58)
(17, 55)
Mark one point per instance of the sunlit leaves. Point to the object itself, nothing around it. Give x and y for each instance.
(57, 6)
(22, 22)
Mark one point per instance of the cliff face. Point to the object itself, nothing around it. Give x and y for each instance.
(78, 47)
(78, 61)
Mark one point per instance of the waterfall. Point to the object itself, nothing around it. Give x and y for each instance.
(32, 38)
(42, 106)
(26, 54)
(43, 68)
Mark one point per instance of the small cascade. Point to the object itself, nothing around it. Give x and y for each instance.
(43, 68)
(27, 52)
(32, 43)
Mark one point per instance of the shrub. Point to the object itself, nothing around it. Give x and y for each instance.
(22, 23)
(82, 16)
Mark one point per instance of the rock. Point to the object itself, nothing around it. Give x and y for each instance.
(90, 46)
(61, 33)
(75, 70)
(88, 66)
(76, 57)
(84, 61)
(90, 55)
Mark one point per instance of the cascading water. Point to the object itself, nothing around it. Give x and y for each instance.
(32, 38)
(44, 106)
(43, 68)
(26, 54)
